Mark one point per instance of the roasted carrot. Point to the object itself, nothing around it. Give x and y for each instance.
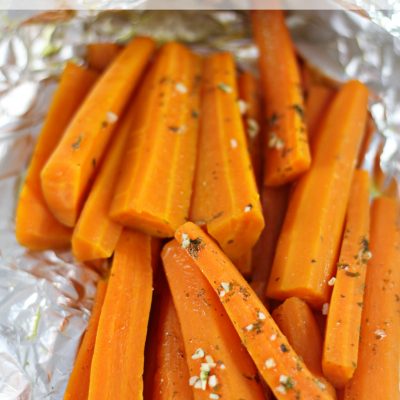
(36, 228)
(225, 197)
(283, 370)
(312, 229)
(296, 321)
(343, 325)
(100, 55)
(67, 174)
(274, 203)
(218, 363)
(318, 100)
(377, 372)
(91, 240)
(250, 107)
(287, 153)
(171, 376)
(78, 384)
(244, 263)
(118, 357)
(154, 189)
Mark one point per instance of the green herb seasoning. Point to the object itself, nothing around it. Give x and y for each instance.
(77, 144)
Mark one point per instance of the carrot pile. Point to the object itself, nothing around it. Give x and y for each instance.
(246, 259)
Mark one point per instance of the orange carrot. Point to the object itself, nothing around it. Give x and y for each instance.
(67, 174)
(91, 240)
(154, 189)
(250, 102)
(343, 326)
(78, 384)
(287, 151)
(118, 358)
(171, 378)
(318, 100)
(312, 230)
(274, 203)
(225, 197)
(218, 363)
(244, 263)
(36, 228)
(100, 55)
(377, 373)
(296, 321)
(283, 370)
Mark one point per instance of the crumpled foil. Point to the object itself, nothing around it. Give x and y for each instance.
(45, 297)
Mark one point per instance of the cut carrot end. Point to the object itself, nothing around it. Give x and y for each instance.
(36, 227)
(69, 172)
(208, 332)
(265, 343)
(287, 153)
(342, 333)
(154, 190)
(313, 225)
(225, 196)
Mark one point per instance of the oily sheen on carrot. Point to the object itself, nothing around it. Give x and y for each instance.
(225, 197)
(171, 376)
(67, 175)
(377, 372)
(250, 101)
(78, 384)
(279, 365)
(312, 230)
(118, 359)
(342, 333)
(100, 55)
(154, 190)
(36, 228)
(296, 321)
(96, 234)
(217, 361)
(287, 153)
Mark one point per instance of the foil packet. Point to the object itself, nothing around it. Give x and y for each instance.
(46, 297)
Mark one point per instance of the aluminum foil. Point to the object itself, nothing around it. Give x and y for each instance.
(45, 298)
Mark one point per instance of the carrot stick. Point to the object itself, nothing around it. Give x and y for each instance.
(244, 263)
(154, 189)
(97, 240)
(67, 174)
(100, 55)
(312, 230)
(225, 197)
(274, 203)
(318, 100)
(218, 363)
(279, 365)
(343, 325)
(171, 377)
(118, 358)
(296, 321)
(250, 100)
(36, 228)
(287, 152)
(377, 373)
(78, 384)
